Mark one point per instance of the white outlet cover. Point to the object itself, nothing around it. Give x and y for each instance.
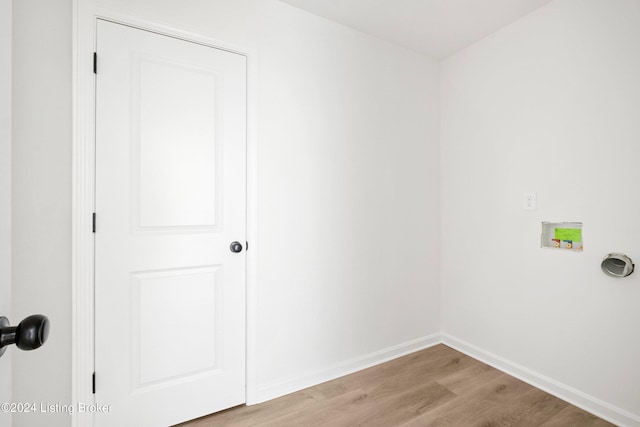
(529, 201)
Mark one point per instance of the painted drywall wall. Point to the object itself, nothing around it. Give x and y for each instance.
(5, 195)
(347, 130)
(550, 104)
(41, 199)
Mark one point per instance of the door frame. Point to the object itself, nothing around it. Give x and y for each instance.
(85, 17)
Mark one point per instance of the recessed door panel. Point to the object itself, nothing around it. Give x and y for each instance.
(163, 302)
(175, 143)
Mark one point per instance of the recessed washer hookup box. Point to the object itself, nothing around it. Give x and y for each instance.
(562, 235)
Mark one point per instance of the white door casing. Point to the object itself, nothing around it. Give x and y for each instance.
(5, 195)
(170, 198)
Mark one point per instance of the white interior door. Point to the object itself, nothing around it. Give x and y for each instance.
(170, 199)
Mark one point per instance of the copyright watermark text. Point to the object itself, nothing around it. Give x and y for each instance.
(53, 408)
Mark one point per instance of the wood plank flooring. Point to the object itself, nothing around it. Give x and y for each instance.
(436, 387)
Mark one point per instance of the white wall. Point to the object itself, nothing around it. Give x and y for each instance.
(348, 187)
(5, 195)
(550, 104)
(42, 200)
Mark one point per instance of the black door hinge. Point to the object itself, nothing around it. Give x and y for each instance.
(93, 383)
(93, 222)
(95, 62)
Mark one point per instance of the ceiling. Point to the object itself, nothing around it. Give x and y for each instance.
(436, 28)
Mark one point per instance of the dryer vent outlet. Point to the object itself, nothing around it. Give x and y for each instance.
(617, 265)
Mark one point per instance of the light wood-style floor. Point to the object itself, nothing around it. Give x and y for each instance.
(434, 387)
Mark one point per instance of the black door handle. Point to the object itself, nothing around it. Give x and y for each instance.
(30, 334)
(236, 247)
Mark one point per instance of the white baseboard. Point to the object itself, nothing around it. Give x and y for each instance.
(345, 368)
(582, 400)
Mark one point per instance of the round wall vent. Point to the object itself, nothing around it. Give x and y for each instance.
(617, 265)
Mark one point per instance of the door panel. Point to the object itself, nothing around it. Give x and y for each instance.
(170, 198)
(157, 297)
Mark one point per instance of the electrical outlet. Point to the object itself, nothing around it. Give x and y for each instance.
(529, 201)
